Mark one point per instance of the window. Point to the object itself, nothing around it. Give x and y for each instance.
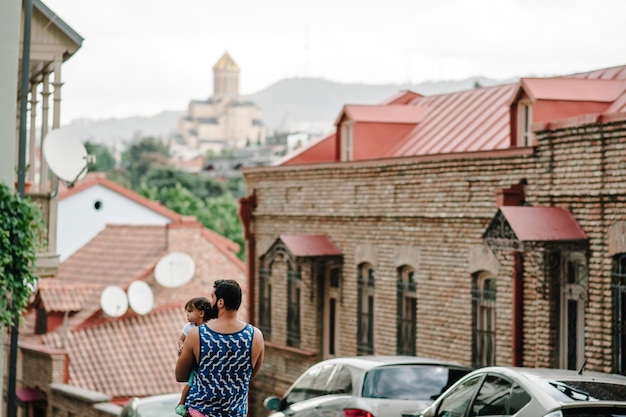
(265, 302)
(320, 380)
(618, 280)
(573, 284)
(365, 330)
(525, 121)
(498, 397)
(484, 322)
(407, 311)
(457, 401)
(346, 141)
(293, 306)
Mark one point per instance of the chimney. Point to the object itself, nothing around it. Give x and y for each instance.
(514, 196)
(183, 234)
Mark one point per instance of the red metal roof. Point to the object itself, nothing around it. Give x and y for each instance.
(310, 245)
(573, 89)
(543, 223)
(393, 113)
(470, 121)
(27, 395)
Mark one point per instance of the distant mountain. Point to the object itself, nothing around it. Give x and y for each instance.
(290, 101)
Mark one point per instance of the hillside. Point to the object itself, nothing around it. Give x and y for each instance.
(294, 100)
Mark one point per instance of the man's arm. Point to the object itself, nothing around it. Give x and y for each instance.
(258, 351)
(187, 358)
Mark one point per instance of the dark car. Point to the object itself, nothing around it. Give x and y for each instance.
(532, 392)
(366, 386)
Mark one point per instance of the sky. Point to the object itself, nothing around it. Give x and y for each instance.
(140, 57)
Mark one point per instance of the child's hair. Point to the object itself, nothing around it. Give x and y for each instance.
(199, 303)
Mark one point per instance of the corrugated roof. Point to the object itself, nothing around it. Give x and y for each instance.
(473, 120)
(393, 113)
(573, 89)
(310, 245)
(543, 223)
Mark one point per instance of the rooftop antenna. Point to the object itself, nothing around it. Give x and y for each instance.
(174, 269)
(140, 297)
(66, 156)
(114, 301)
(580, 371)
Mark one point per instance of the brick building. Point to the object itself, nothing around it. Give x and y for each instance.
(484, 226)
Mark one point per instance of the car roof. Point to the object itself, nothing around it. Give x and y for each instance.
(374, 361)
(555, 374)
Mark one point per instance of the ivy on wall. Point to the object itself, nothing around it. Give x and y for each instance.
(20, 222)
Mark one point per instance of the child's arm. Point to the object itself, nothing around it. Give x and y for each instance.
(181, 340)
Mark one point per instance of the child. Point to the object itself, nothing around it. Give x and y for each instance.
(196, 310)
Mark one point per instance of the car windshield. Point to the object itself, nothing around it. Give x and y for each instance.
(591, 390)
(419, 382)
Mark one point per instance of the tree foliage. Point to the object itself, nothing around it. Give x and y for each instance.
(20, 224)
(213, 202)
(105, 161)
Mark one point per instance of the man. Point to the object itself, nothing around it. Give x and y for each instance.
(228, 354)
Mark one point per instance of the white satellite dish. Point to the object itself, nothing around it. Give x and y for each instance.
(140, 297)
(174, 270)
(66, 156)
(114, 301)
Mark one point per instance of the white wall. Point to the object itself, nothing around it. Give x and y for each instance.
(10, 18)
(79, 220)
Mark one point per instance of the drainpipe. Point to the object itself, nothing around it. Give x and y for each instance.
(517, 336)
(246, 207)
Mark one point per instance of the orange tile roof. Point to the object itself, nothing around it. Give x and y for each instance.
(469, 121)
(132, 356)
(97, 178)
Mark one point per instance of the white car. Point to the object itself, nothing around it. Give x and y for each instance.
(366, 386)
(532, 392)
(155, 406)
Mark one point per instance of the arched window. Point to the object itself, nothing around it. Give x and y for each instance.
(484, 320)
(265, 302)
(294, 282)
(407, 311)
(365, 331)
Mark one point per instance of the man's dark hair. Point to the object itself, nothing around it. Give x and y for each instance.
(229, 291)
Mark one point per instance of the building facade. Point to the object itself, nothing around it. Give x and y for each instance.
(224, 121)
(484, 226)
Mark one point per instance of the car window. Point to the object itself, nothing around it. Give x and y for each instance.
(591, 390)
(314, 383)
(498, 397)
(594, 412)
(458, 400)
(419, 382)
(340, 381)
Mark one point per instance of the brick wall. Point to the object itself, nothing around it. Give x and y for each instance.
(440, 206)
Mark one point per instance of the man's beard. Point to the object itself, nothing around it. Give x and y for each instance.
(211, 313)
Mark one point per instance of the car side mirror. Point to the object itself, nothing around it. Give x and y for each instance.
(272, 403)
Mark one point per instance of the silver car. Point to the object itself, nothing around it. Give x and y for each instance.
(366, 386)
(532, 392)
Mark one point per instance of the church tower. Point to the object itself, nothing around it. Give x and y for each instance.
(225, 78)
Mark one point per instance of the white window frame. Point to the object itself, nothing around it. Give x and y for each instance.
(525, 136)
(347, 130)
(575, 291)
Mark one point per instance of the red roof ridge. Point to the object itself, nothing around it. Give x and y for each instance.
(93, 180)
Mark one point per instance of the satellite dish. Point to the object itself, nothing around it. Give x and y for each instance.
(66, 156)
(174, 270)
(114, 301)
(140, 297)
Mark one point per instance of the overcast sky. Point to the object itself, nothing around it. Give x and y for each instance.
(141, 57)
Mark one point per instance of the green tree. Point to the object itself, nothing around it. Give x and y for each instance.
(141, 156)
(201, 186)
(20, 226)
(105, 161)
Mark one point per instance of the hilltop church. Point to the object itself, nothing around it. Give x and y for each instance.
(224, 121)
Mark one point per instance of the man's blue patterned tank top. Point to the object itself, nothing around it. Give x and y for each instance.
(220, 387)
